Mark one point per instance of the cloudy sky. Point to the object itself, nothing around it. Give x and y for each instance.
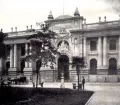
(20, 13)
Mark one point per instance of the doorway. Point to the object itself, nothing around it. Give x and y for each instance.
(63, 67)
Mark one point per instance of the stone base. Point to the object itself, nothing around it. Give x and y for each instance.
(28, 69)
(28, 72)
(12, 72)
(13, 69)
(102, 71)
(104, 78)
(105, 67)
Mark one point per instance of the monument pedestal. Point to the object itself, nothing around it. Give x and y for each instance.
(62, 81)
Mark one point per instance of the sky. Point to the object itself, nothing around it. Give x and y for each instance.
(22, 13)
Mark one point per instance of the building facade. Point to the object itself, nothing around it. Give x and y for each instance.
(98, 43)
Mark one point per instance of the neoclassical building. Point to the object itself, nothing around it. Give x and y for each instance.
(98, 42)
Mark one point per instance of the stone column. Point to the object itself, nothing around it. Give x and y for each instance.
(80, 47)
(26, 49)
(76, 50)
(105, 51)
(100, 51)
(84, 47)
(15, 56)
(11, 57)
(30, 63)
(118, 52)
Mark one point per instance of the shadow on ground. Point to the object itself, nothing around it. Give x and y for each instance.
(43, 96)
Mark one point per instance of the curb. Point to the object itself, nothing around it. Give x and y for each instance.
(90, 99)
(24, 101)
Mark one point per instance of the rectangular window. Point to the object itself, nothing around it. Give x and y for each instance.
(93, 45)
(112, 44)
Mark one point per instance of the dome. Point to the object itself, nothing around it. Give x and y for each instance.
(63, 17)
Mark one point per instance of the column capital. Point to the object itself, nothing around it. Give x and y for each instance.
(84, 38)
(104, 36)
(99, 37)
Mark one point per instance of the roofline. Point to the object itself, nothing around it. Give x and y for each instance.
(97, 29)
(103, 22)
(71, 18)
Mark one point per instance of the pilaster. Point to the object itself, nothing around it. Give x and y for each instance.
(84, 44)
(105, 52)
(15, 56)
(12, 57)
(100, 53)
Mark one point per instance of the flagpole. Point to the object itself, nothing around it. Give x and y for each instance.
(63, 7)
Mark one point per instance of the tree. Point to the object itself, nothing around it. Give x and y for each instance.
(2, 45)
(3, 48)
(78, 63)
(42, 48)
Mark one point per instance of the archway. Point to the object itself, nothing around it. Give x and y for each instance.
(93, 66)
(63, 67)
(112, 66)
(22, 65)
(7, 67)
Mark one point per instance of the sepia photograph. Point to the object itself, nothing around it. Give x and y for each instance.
(59, 52)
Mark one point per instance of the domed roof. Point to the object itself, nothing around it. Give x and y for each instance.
(63, 17)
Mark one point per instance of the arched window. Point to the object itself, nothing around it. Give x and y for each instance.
(112, 66)
(93, 66)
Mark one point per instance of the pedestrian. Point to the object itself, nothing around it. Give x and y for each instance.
(83, 82)
(33, 84)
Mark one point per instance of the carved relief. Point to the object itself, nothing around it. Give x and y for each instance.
(63, 46)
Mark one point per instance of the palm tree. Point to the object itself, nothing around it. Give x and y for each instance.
(42, 48)
(78, 63)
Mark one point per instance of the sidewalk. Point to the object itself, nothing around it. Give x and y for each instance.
(108, 94)
(105, 98)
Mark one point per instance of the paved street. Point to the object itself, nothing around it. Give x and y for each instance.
(105, 93)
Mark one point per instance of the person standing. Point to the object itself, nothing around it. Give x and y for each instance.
(83, 82)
